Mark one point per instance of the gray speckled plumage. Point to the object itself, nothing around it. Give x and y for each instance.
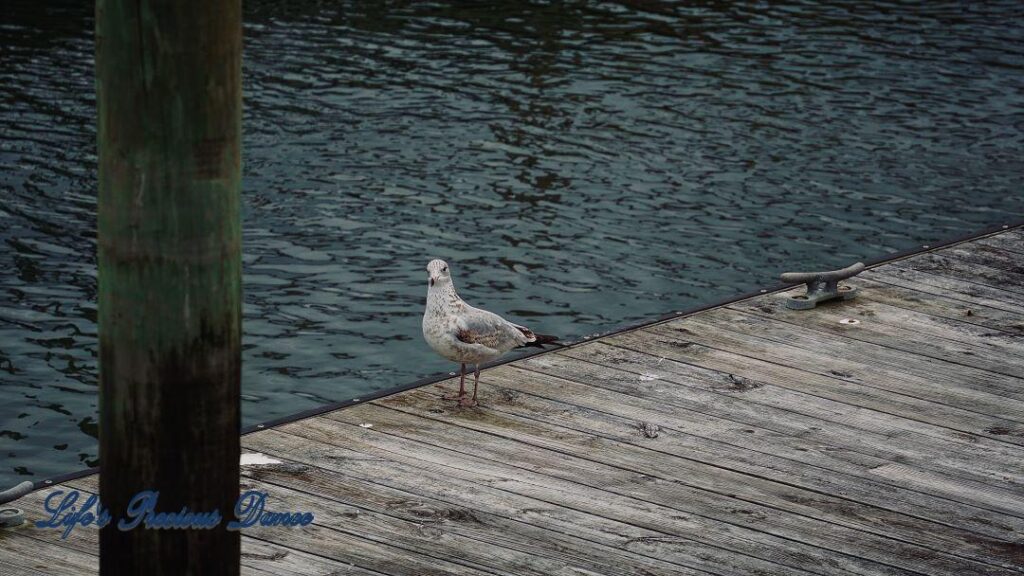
(468, 335)
(460, 332)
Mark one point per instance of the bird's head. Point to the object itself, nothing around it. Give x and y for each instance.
(438, 271)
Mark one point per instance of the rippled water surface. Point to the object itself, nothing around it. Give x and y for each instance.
(580, 166)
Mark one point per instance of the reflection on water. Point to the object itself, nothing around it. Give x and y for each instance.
(581, 166)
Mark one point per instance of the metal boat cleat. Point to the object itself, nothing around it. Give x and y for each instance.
(11, 517)
(821, 286)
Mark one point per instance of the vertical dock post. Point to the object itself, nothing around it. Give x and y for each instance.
(168, 85)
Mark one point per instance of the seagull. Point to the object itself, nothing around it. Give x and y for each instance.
(468, 335)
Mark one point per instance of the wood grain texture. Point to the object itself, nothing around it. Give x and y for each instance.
(663, 371)
(946, 341)
(950, 283)
(169, 273)
(745, 439)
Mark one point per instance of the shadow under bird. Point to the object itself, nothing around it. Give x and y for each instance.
(468, 335)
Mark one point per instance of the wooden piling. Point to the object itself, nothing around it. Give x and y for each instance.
(169, 135)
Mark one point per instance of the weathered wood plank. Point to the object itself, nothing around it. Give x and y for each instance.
(759, 338)
(269, 558)
(983, 255)
(733, 447)
(900, 330)
(820, 422)
(880, 287)
(257, 557)
(869, 364)
(562, 501)
(437, 495)
(951, 285)
(1009, 241)
(413, 531)
(12, 570)
(362, 552)
(20, 550)
(428, 542)
(748, 358)
(506, 532)
(512, 439)
(994, 272)
(7, 569)
(936, 316)
(555, 550)
(533, 474)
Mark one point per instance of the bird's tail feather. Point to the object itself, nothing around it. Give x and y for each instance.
(541, 340)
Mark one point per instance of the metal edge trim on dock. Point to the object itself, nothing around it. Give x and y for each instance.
(440, 377)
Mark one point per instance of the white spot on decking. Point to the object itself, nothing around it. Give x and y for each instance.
(366, 425)
(646, 377)
(255, 458)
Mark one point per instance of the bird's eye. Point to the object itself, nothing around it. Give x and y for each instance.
(445, 269)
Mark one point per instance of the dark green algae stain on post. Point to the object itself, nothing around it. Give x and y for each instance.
(169, 133)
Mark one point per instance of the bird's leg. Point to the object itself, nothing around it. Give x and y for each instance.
(462, 381)
(462, 386)
(476, 382)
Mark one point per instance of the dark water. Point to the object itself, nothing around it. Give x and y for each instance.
(580, 166)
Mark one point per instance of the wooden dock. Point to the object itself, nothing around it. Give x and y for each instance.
(744, 439)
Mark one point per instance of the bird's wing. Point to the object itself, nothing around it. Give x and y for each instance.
(477, 326)
(528, 334)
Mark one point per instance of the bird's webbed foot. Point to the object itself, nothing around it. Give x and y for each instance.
(454, 396)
